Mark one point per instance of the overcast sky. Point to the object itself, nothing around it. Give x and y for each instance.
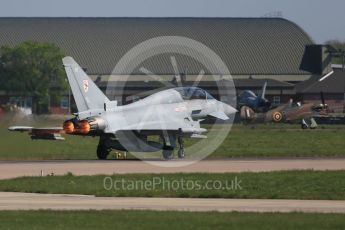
(322, 19)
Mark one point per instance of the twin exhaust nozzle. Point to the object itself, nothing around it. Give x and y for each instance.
(84, 127)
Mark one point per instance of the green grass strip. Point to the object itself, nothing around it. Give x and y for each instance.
(141, 220)
(328, 185)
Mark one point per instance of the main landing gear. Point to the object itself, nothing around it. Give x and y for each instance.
(168, 152)
(313, 124)
(170, 140)
(103, 149)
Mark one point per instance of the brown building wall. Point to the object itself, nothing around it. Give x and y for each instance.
(58, 110)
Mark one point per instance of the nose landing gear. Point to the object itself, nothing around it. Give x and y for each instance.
(181, 152)
(170, 144)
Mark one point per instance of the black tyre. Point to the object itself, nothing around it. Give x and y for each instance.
(102, 152)
(168, 153)
(303, 126)
(181, 153)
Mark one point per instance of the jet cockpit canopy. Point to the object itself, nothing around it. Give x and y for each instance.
(193, 93)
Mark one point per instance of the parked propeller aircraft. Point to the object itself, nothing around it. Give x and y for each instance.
(253, 101)
(172, 114)
(257, 109)
(287, 113)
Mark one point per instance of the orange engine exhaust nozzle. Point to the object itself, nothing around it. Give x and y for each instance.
(68, 126)
(84, 127)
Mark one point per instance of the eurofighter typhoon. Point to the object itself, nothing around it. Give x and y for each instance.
(172, 114)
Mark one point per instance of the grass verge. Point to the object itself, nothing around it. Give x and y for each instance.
(324, 185)
(271, 140)
(142, 220)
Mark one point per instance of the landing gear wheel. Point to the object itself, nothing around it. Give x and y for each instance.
(168, 153)
(303, 126)
(102, 152)
(181, 153)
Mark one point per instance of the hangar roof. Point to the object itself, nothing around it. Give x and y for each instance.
(335, 83)
(246, 45)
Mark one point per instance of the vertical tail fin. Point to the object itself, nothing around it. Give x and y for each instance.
(86, 94)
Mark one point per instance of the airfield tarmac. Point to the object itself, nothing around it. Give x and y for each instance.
(12, 169)
(32, 201)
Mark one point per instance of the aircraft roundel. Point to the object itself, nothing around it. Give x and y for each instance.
(86, 85)
(277, 116)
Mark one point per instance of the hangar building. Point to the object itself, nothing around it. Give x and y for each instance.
(253, 49)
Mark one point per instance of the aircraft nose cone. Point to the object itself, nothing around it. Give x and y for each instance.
(229, 110)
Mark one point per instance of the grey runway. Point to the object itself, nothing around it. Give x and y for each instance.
(31, 201)
(12, 169)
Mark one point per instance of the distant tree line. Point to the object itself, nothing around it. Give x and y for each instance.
(338, 45)
(33, 69)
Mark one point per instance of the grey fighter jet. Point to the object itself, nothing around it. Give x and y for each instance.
(172, 114)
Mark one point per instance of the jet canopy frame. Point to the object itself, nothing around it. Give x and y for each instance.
(193, 93)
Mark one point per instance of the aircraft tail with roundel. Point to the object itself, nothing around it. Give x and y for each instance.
(87, 95)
